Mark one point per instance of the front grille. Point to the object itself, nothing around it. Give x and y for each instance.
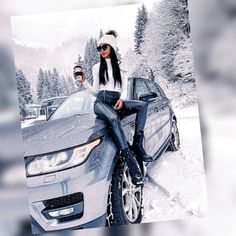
(63, 201)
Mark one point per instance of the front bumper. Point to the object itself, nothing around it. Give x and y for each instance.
(101, 221)
(90, 180)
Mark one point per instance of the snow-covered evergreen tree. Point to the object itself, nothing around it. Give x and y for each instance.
(141, 23)
(79, 61)
(183, 62)
(24, 93)
(95, 52)
(40, 85)
(163, 36)
(118, 54)
(51, 82)
(100, 34)
(71, 86)
(65, 86)
(46, 91)
(137, 65)
(54, 83)
(56, 86)
(91, 58)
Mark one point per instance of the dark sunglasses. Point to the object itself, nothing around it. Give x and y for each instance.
(103, 47)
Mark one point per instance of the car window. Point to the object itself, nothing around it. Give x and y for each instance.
(154, 88)
(58, 101)
(140, 88)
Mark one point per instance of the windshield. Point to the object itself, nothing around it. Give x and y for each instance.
(76, 104)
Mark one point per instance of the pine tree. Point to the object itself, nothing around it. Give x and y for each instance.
(54, 83)
(91, 58)
(46, 92)
(141, 23)
(118, 54)
(140, 68)
(164, 34)
(60, 87)
(56, 89)
(65, 90)
(183, 63)
(24, 93)
(51, 82)
(40, 85)
(71, 85)
(100, 34)
(79, 61)
(87, 58)
(95, 52)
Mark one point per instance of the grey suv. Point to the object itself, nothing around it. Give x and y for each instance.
(75, 176)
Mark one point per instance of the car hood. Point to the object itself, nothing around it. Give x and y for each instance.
(61, 134)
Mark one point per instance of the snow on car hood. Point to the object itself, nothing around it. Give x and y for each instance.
(61, 134)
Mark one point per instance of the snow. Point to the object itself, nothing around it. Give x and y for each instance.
(30, 122)
(176, 185)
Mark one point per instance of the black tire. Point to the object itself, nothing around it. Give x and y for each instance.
(117, 203)
(175, 139)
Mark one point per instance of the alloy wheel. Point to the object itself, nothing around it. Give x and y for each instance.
(131, 196)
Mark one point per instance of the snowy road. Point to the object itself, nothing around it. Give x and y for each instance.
(176, 188)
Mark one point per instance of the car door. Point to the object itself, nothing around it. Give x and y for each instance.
(162, 112)
(153, 122)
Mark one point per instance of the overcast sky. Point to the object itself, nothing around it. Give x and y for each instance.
(51, 29)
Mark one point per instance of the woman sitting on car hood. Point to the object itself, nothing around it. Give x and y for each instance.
(110, 89)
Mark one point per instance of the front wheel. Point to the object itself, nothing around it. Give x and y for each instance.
(125, 200)
(175, 139)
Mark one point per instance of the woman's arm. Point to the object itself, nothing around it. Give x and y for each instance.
(123, 96)
(95, 88)
(124, 88)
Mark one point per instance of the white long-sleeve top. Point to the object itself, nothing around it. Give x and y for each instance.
(110, 84)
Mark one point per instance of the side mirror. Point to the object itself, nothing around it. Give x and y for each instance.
(148, 96)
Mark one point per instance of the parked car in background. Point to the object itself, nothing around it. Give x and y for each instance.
(32, 111)
(48, 106)
(75, 176)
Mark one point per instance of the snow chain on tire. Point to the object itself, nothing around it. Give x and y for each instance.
(115, 213)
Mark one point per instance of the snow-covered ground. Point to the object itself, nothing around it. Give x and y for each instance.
(30, 122)
(176, 186)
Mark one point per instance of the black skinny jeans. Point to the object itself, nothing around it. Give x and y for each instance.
(103, 108)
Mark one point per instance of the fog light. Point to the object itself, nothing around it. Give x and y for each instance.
(63, 212)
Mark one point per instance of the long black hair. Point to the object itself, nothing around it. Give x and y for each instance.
(115, 67)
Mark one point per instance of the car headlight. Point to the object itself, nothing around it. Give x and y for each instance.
(61, 160)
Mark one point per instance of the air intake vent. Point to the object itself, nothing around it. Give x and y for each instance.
(63, 201)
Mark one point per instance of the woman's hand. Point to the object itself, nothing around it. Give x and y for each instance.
(119, 104)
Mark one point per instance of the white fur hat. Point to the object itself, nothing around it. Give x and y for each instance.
(108, 39)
